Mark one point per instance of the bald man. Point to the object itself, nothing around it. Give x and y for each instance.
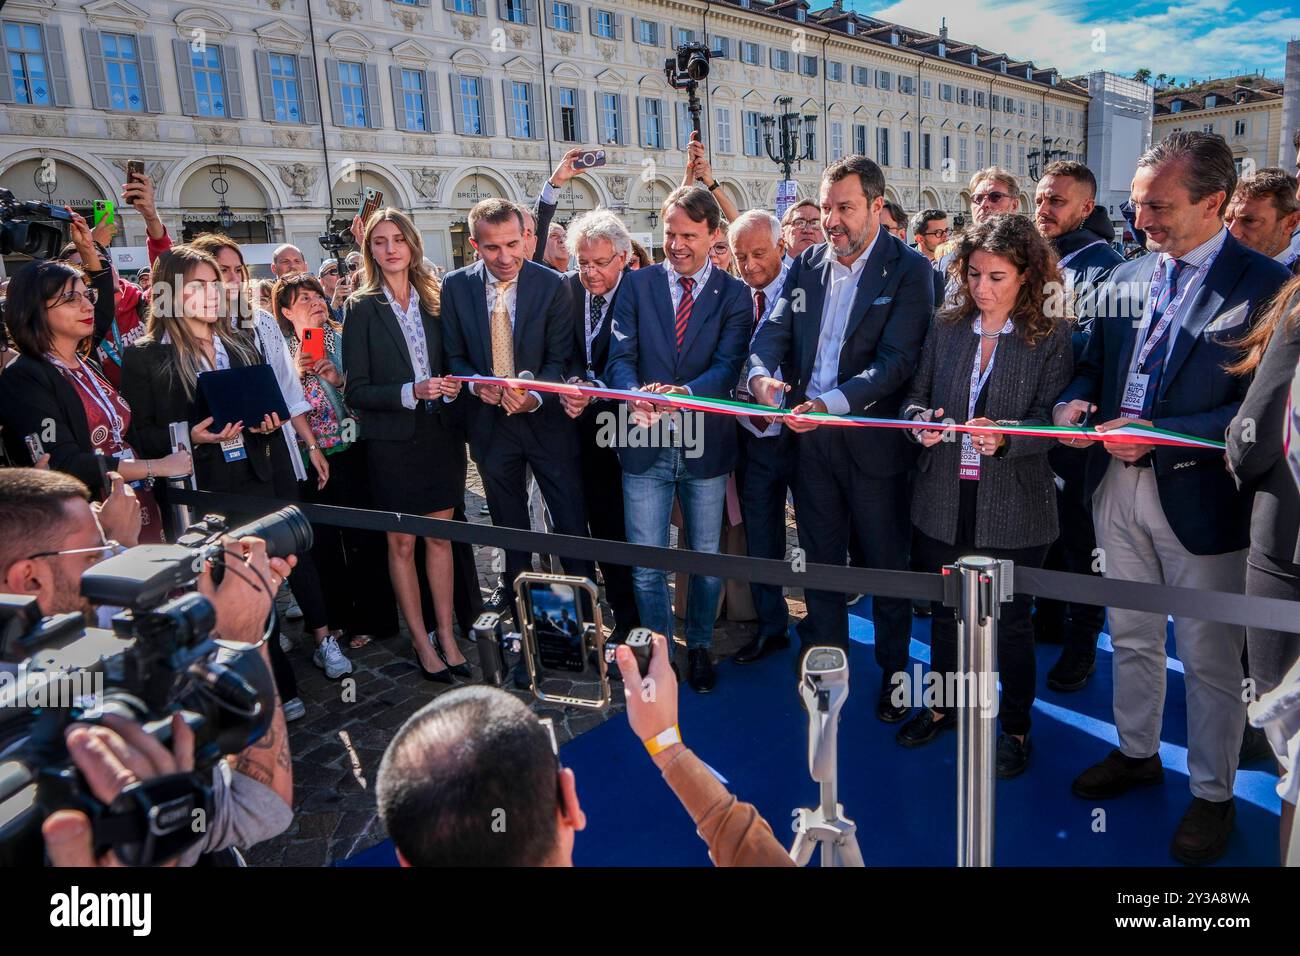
(287, 260)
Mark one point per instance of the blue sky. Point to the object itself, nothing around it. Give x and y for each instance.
(1199, 39)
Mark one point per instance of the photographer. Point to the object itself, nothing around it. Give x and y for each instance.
(478, 750)
(49, 537)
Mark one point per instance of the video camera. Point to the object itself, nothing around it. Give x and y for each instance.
(20, 233)
(686, 70)
(160, 658)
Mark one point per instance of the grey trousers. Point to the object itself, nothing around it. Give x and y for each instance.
(1138, 545)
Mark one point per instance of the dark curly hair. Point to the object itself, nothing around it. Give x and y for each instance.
(1040, 305)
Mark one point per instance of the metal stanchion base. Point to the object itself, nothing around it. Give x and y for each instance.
(837, 838)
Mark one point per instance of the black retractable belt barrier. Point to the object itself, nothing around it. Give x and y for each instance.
(1218, 606)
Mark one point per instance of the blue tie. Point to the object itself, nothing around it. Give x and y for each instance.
(1154, 364)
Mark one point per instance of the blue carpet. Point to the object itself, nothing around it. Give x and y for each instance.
(753, 732)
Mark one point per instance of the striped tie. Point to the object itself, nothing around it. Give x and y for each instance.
(1154, 364)
(684, 309)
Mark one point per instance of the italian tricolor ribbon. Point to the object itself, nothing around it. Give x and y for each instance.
(1134, 434)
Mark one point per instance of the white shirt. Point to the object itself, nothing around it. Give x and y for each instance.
(1199, 259)
(824, 383)
(512, 295)
(276, 354)
(770, 293)
(675, 289)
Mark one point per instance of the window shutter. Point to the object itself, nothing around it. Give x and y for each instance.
(336, 94)
(489, 109)
(592, 14)
(149, 69)
(584, 134)
(530, 12)
(557, 121)
(265, 89)
(234, 82)
(550, 15)
(624, 121)
(57, 64)
(457, 105)
(575, 18)
(374, 105)
(683, 125)
(508, 101)
(538, 110)
(185, 77)
(95, 67)
(501, 9)
(399, 97)
(636, 29)
(308, 90)
(661, 34)
(449, 4)
(6, 83)
(432, 108)
(618, 26)
(641, 121)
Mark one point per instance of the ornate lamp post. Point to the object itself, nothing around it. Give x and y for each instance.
(788, 138)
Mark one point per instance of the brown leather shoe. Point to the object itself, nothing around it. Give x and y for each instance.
(1117, 775)
(1202, 834)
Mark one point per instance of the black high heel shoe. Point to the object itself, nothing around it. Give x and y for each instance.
(441, 677)
(462, 670)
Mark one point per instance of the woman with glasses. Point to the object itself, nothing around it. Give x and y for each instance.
(720, 252)
(351, 562)
(994, 355)
(56, 400)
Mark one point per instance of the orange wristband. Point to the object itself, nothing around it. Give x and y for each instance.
(663, 740)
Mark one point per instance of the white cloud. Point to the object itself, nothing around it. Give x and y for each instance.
(1199, 39)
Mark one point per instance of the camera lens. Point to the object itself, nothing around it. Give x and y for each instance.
(697, 66)
(286, 532)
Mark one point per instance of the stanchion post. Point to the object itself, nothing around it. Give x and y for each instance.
(981, 585)
(181, 517)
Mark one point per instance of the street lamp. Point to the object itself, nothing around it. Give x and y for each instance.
(1048, 155)
(788, 138)
(220, 186)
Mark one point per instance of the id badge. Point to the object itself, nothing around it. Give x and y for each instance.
(1135, 393)
(233, 450)
(970, 460)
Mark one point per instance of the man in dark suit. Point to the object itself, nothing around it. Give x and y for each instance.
(849, 328)
(1166, 329)
(504, 316)
(1264, 212)
(600, 243)
(679, 327)
(1080, 232)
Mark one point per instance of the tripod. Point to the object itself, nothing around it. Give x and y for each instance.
(823, 687)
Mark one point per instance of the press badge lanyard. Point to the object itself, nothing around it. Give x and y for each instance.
(1078, 252)
(97, 395)
(970, 458)
(1135, 388)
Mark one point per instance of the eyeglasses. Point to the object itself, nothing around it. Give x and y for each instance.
(329, 272)
(989, 197)
(805, 223)
(595, 264)
(111, 547)
(938, 233)
(720, 249)
(68, 298)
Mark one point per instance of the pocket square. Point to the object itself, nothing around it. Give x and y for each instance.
(1229, 320)
(884, 300)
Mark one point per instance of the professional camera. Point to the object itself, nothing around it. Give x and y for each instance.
(21, 234)
(159, 659)
(691, 63)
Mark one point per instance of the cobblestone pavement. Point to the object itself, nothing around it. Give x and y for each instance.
(337, 746)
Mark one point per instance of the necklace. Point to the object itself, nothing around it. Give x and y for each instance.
(990, 335)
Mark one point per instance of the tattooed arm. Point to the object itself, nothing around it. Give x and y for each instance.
(267, 759)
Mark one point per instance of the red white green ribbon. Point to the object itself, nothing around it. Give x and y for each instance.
(1134, 434)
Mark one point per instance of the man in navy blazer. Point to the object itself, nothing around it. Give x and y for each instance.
(511, 429)
(849, 327)
(680, 327)
(1167, 326)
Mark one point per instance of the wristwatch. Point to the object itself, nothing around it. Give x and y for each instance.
(713, 186)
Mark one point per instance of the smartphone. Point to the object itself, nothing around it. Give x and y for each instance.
(34, 446)
(558, 642)
(105, 482)
(313, 344)
(104, 211)
(134, 168)
(590, 159)
(371, 199)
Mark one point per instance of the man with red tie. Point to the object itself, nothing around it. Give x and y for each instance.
(681, 327)
(766, 454)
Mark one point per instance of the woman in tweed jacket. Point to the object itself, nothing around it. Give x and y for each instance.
(996, 353)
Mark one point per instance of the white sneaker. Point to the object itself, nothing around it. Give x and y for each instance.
(286, 644)
(331, 659)
(293, 709)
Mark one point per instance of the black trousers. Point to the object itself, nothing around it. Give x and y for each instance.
(832, 495)
(602, 487)
(764, 472)
(1077, 624)
(352, 563)
(1016, 664)
(1272, 653)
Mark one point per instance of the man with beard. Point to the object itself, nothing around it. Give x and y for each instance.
(1264, 211)
(847, 331)
(1067, 216)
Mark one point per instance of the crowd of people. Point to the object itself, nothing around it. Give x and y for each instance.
(843, 306)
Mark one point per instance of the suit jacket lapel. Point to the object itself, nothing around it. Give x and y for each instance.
(1201, 311)
(808, 326)
(525, 293)
(600, 347)
(706, 304)
(389, 321)
(663, 303)
(478, 302)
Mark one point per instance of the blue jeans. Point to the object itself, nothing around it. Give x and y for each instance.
(648, 508)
